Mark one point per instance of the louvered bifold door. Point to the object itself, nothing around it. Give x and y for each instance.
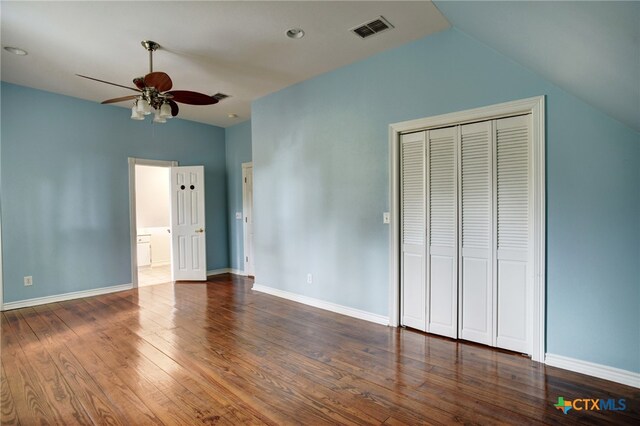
(413, 220)
(514, 233)
(476, 235)
(442, 231)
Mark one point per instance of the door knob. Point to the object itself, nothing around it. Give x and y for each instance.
(199, 230)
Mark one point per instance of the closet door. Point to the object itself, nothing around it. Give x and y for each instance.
(514, 233)
(412, 262)
(476, 233)
(442, 231)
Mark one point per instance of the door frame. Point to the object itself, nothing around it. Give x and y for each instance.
(1, 273)
(534, 106)
(245, 234)
(133, 161)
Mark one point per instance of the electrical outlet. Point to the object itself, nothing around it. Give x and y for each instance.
(28, 281)
(309, 278)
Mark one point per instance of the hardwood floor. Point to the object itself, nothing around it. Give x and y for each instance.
(219, 353)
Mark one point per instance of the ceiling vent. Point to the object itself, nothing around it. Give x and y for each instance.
(371, 28)
(220, 96)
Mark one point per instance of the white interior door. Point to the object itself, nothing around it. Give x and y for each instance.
(442, 220)
(188, 245)
(247, 213)
(412, 261)
(476, 233)
(514, 234)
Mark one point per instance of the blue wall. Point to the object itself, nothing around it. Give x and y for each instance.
(320, 155)
(238, 151)
(65, 190)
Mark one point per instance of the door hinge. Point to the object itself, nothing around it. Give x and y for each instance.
(245, 180)
(246, 259)
(245, 220)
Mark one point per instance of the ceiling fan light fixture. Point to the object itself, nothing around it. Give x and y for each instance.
(158, 118)
(144, 107)
(165, 110)
(154, 93)
(135, 115)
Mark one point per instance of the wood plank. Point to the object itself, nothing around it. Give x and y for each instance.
(241, 380)
(219, 353)
(48, 394)
(149, 388)
(8, 415)
(90, 394)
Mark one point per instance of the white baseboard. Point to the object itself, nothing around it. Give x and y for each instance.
(339, 309)
(617, 375)
(225, 271)
(66, 296)
(218, 271)
(160, 263)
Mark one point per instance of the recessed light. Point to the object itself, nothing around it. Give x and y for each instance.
(295, 33)
(232, 115)
(15, 50)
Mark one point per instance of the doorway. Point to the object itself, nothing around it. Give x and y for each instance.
(150, 221)
(247, 218)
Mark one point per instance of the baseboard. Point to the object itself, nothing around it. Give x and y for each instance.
(328, 306)
(226, 271)
(160, 263)
(617, 375)
(66, 296)
(218, 271)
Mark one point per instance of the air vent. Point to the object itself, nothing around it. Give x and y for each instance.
(374, 27)
(220, 96)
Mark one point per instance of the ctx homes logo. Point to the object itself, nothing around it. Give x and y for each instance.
(590, 404)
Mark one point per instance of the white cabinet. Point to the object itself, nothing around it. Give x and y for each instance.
(144, 250)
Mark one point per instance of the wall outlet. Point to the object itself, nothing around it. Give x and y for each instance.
(238, 215)
(386, 217)
(309, 278)
(28, 281)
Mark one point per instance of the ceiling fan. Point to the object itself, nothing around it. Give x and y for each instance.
(154, 91)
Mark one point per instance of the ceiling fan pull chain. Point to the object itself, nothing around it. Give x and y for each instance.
(150, 61)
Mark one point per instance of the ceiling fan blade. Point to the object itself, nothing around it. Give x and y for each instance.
(174, 107)
(192, 98)
(108, 82)
(139, 82)
(123, 98)
(161, 81)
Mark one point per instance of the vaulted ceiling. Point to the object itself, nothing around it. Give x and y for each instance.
(590, 49)
(235, 47)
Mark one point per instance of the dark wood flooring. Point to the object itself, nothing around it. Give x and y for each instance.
(219, 353)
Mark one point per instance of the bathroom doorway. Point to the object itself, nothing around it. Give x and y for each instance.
(151, 225)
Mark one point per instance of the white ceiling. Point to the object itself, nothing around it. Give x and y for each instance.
(590, 49)
(238, 48)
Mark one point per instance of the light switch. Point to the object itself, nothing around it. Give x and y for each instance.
(238, 215)
(386, 217)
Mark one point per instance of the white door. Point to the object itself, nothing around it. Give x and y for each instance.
(514, 234)
(476, 233)
(247, 213)
(412, 261)
(188, 246)
(442, 220)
